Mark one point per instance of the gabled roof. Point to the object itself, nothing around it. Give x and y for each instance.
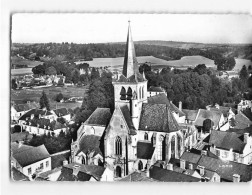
(170, 176)
(190, 114)
(99, 117)
(208, 153)
(36, 112)
(190, 157)
(127, 117)
(57, 160)
(162, 99)
(25, 107)
(241, 131)
(203, 114)
(18, 176)
(137, 176)
(145, 150)
(157, 117)
(241, 121)
(224, 110)
(90, 143)
(227, 140)
(45, 123)
(28, 155)
(61, 112)
(226, 169)
(156, 89)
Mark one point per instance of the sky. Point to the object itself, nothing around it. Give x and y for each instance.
(103, 28)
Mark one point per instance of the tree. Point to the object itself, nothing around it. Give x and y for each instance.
(59, 97)
(207, 125)
(13, 84)
(94, 74)
(44, 102)
(200, 69)
(144, 67)
(244, 73)
(75, 76)
(50, 71)
(39, 70)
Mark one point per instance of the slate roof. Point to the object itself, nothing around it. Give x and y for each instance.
(227, 140)
(247, 112)
(28, 155)
(145, 150)
(127, 117)
(208, 153)
(226, 169)
(162, 99)
(207, 114)
(45, 123)
(36, 113)
(224, 110)
(170, 176)
(20, 136)
(137, 176)
(241, 131)
(80, 172)
(89, 143)
(61, 112)
(100, 117)
(18, 176)
(156, 89)
(157, 117)
(190, 114)
(25, 107)
(190, 157)
(241, 121)
(57, 160)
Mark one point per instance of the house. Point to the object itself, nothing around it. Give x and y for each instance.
(244, 104)
(152, 91)
(17, 110)
(227, 112)
(62, 112)
(51, 175)
(16, 175)
(240, 121)
(190, 115)
(231, 146)
(30, 160)
(80, 172)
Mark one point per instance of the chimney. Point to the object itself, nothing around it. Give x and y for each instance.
(236, 178)
(246, 136)
(191, 166)
(180, 105)
(207, 107)
(203, 152)
(65, 162)
(182, 164)
(169, 167)
(32, 116)
(202, 170)
(217, 106)
(20, 144)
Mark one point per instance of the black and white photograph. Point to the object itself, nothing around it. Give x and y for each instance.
(112, 97)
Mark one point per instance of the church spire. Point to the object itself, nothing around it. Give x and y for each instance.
(130, 65)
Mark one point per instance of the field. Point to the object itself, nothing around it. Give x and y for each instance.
(21, 71)
(240, 63)
(19, 61)
(22, 96)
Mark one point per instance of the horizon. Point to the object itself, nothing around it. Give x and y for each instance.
(106, 28)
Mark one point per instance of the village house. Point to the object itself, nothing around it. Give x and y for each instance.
(17, 110)
(244, 104)
(16, 175)
(152, 91)
(30, 160)
(231, 146)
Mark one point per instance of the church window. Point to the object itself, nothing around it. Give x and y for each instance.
(161, 147)
(118, 146)
(146, 136)
(140, 165)
(83, 160)
(123, 94)
(140, 93)
(179, 145)
(129, 93)
(173, 147)
(118, 171)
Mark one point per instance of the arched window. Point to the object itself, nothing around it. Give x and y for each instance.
(129, 93)
(179, 140)
(162, 148)
(92, 131)
(83, 160)
(140, 95)
(123, 94)
(118, 171)
(173, 147)
(142, 92)
(100, 162)
(118, 146)
(146, 136)
(140, 165)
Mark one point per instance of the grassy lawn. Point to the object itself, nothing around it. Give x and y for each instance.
(21, 96)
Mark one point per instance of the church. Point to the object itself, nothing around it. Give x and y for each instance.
(141, 131)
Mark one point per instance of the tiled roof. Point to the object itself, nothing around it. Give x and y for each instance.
(241, 121)
(190, 157)
(36, 112)
(247, 112)
(227, 140)
(100, 117)
(44, 175)
(157, 117)
(208, 153)
(241, 131)
(137, 176)
(25, 107)
(29, 155)
(90, 143)
(57, 160)
(226, 169)
(224, 110)
(162, 99)
(127, 117)
(170, 176)
(207, 114)
(145, 150)
(156, 89)
(21, 136)
(61, 112)
(45, 124)
(190, 114)
(18, 176)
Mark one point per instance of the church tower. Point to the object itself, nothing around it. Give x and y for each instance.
(130, 87)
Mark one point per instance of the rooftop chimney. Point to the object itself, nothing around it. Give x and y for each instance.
(65, 162)
(246, 135)
(203, 152)
(202, 170)
(236, 178)
(180, 105)
(169, 167)
(191, 166)
(182, 164)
